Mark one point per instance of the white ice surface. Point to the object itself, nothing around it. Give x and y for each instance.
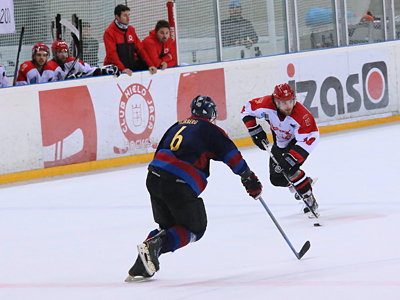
(75, 237)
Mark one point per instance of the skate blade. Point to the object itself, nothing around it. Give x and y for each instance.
(145, 257)
(310, 215)
(136, 278)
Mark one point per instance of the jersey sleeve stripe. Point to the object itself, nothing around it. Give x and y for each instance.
(235, 161)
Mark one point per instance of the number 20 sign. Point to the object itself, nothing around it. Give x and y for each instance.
(7, 24)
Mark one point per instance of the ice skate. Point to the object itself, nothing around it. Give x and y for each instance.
(137, 272)
(149, 251)
(312, 203)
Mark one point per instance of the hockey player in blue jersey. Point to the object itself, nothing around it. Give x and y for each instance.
(177, 176)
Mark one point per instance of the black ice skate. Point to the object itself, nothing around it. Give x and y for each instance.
(312, 203)
(149, 251)
(138, 271)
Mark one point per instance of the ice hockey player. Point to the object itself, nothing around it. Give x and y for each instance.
(37, 70)
(3, 77)
(62, 64)
(295, 135)
(176, 177)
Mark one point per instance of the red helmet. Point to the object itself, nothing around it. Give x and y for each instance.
(283, 92)
(40, 47)
(59, 45)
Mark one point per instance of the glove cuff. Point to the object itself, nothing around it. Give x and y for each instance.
(246, 173)
(255, 130)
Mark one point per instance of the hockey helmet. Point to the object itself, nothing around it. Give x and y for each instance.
(59, 45)
(283, 92)
(204, 106)
(40, 47)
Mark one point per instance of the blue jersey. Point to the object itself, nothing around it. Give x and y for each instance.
(187, 147)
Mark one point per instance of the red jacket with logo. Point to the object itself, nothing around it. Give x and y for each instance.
(154, 48)
(123, 48)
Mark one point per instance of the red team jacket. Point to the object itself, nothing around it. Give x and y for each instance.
(153, 48)
(122, 47)
(299, 126)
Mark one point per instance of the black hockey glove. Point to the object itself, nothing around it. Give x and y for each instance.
(74, 76)
(110, 70)
(258, 136)
(253, 185)
(288, 163)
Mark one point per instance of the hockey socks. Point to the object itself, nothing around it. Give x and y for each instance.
(301, 182)
(176, 237)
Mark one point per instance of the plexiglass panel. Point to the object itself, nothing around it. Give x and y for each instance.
(365, 24)
(316, 24)
(251, 28)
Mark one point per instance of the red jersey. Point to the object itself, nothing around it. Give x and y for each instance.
(300, 125)
(154, 49)
(123, 48)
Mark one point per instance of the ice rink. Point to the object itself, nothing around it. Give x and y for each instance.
(74, 237)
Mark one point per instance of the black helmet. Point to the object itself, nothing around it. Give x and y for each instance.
(204, 106)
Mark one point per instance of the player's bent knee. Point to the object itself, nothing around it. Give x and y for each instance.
(278, 181)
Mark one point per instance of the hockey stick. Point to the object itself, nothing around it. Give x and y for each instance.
(71, 27)
(75, 35)
(305, 247)
(19, 51)
(288, 179)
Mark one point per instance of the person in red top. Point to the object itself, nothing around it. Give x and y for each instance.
(123, 47)
(160, 47)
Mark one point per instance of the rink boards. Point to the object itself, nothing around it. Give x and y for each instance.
(85, 124)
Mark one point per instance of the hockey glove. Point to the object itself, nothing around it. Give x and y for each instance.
(288, 163)
(253, 186)
(258, 136)
(110, 70)
(74, 76)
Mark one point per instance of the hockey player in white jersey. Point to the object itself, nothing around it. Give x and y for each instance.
(62, 64)
(37, 70)
(295, 136)
(3, 77)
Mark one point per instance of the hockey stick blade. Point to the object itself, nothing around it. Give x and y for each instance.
(71, 27)
(306, 246)
(303, 250)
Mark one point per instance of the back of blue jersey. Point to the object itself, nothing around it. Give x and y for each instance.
(187, 147)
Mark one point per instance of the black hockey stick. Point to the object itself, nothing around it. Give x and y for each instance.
(305, 247)
(290, 182)
(19, 51)
(76, 37)
(78, 45)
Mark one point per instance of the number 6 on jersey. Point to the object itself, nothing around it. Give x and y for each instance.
(178, 138)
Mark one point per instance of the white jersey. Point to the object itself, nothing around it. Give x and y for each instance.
(3, 78)
(80, 67)
(299, 126)
(29, 74)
